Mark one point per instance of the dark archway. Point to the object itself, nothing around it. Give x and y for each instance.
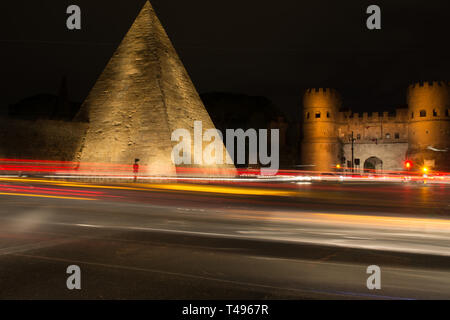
(373, 164)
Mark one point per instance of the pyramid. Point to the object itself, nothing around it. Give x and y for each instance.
(141, 97)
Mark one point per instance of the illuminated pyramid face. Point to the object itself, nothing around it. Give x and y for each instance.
(142, 96)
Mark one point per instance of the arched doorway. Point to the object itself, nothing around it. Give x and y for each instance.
(373, 164)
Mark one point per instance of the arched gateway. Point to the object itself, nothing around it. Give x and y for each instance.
(373, 164)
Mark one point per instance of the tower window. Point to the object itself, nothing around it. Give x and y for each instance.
(328, 114)
(397, 135)
(388, 135)
(423, 113)
(307, 115)
(434, 113)
(317, 115)
(412, 115)
(446, 113)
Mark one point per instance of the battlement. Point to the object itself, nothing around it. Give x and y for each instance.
(428, 97)
(429, 84)
(399, 115)
(322, 98)
(323, 91)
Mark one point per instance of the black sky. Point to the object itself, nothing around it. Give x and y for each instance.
(271, 48)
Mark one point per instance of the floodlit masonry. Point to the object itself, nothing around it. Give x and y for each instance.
(142, 96)
(381, 140)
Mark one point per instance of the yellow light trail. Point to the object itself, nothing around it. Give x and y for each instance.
(68, 184)
(356, 220)
(220, 189)
(173, 187)
(386, 220)
(43, 196)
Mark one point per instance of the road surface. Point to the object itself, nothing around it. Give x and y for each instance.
(223, 241)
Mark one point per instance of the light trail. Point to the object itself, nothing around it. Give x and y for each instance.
(221, 190)
(391, 236)
(244, 187)
(43, 196)
(88, 170)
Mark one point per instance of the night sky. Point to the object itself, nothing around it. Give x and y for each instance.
(270, 48)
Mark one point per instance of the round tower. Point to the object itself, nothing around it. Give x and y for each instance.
(320, 147)
(429, 124)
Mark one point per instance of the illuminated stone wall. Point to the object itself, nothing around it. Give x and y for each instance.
(429, 123)
(378, 127)
(143, 94)
(382, 135)
(40, 139)
(320, 145)
(407, 133)
(391, 154)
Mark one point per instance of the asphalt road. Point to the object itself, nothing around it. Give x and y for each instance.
(252, 241)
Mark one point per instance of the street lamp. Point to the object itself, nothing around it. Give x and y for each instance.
(353, 151)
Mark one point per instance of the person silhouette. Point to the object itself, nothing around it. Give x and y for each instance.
(135, 169)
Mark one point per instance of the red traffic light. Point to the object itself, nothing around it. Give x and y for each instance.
(408, 164)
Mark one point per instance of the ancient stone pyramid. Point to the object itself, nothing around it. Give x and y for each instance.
(143, 94)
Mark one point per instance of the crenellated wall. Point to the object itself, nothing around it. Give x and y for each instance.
(420, 132)
(378, 127)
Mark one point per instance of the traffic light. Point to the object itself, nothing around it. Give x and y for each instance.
(408, 164)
